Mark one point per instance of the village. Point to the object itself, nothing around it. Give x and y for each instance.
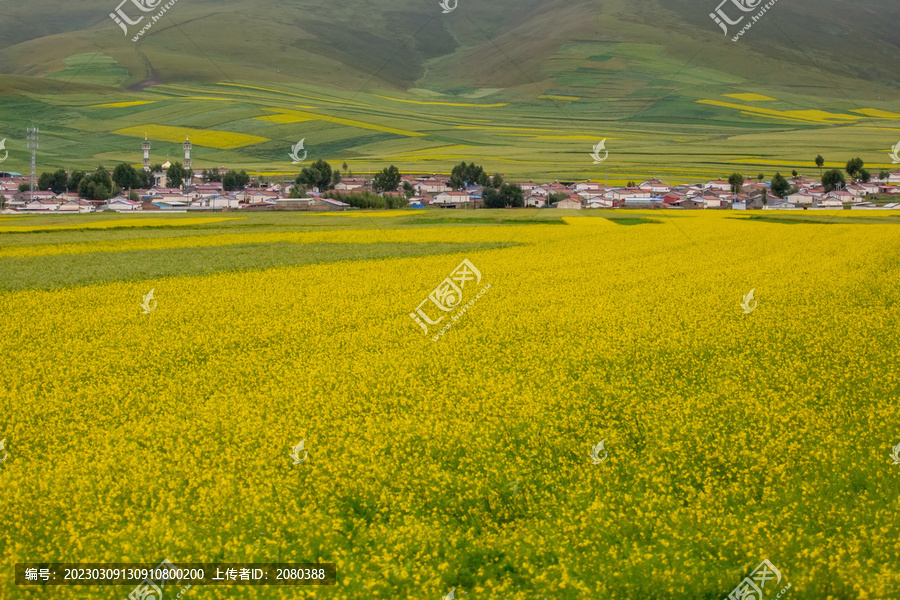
(205, 191)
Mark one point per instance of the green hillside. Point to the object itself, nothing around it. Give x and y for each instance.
(525, 88)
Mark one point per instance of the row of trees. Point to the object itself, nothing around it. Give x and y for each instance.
(97, 185)
(856, 169)
(100, 185)
(320, 175)
(833, 179)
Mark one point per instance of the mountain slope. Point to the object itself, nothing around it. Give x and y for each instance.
(524, 87)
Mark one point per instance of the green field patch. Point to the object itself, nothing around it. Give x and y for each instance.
(532, 220)
(814, 219)
(95, 67)
(630, 220)
(72, 270)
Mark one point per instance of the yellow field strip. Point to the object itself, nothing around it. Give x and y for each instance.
(137, 222)
(364, 236)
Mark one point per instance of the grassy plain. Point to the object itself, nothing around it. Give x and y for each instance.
(461, 463)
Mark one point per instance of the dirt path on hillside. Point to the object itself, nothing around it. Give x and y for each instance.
(151, 77)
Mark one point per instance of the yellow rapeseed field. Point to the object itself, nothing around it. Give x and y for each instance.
(211, 138)
(463, 463)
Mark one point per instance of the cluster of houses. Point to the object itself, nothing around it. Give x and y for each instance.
(435, 191)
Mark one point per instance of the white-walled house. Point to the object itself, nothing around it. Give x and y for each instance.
(656, 186)
(431, 186)
(224, 201)
(451, 198)
(599, 202)
(122, 204)
(588, 186)
(42, 204)
(631, 193)
(802, 198)
(571, 202)
(76, 206)
(717, 184)
(827, 202)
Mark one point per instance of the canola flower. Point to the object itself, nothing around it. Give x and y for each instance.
(211, 138)
(464, 465)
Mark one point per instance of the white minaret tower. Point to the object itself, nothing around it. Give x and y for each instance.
(146, 161)
(187, 153)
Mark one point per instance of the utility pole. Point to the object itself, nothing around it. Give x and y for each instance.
(33, 146)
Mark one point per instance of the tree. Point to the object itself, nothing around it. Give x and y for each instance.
(387, 180)
(24, 187)
(833, 180)
(229, 181)
(335, 178)
(74, 180)
(865, 176)
(97, 185)
(2, 201)
(497, 181)
(367, 199)
(463, 175)
(509, 194)
(555, 197)
(176, 175)
(780, 185)
(819, 162)
(232, 180)
(316, 175)
(56, 181)
(760, 177)
(133, 196)
(737, 182)
(883, 175)
(408, 189)
(211, 175)
(297, 191)
(854, 165)
(794, 173)
(630, 184)
(126, 177)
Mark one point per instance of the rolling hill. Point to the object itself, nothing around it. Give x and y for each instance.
(524, 87)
